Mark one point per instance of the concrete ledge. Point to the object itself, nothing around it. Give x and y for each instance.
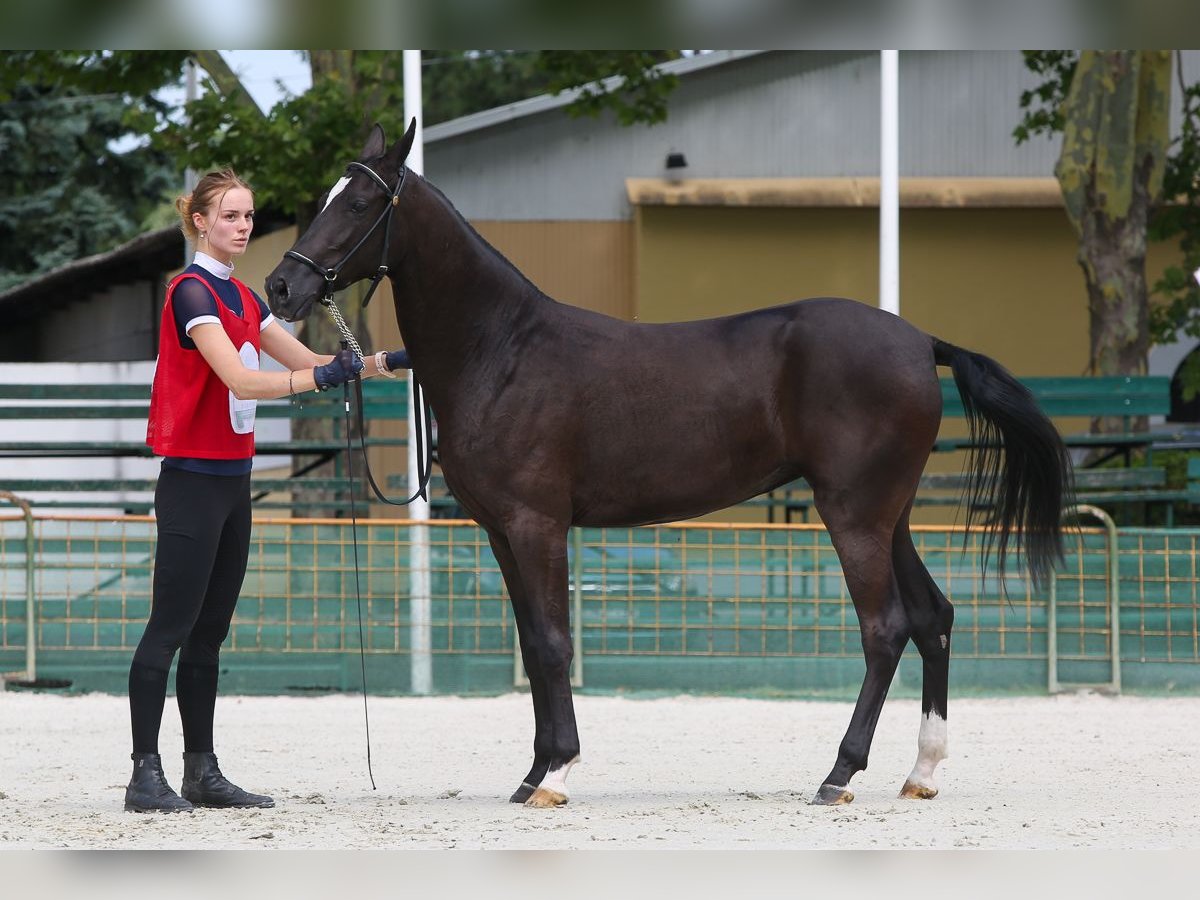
(916, 193)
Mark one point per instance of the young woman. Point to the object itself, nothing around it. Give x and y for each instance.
(202, 407)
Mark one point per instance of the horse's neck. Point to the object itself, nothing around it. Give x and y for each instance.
(462, 305)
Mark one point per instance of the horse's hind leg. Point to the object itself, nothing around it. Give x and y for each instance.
(866, 557)
(539, 548)
(931, 617)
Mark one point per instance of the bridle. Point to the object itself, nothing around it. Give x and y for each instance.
(385, 218)
(424, 429)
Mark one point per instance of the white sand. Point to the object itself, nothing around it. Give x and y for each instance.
(681, 772)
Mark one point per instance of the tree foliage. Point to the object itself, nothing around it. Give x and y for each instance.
(300, 146)
(68, 193)
(1175, 309)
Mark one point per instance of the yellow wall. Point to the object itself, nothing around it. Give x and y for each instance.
(588, 264)
(1003, 282)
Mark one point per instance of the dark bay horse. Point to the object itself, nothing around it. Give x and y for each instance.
(551, 416)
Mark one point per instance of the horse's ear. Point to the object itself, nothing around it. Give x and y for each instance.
(404, 145)
(376, 143)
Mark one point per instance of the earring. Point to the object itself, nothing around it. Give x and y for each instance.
(202, 235)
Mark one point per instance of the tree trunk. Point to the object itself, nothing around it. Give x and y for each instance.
(1115, 141)
(320, 333)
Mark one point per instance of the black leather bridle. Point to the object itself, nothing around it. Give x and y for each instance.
(424, 429)
(385, 218)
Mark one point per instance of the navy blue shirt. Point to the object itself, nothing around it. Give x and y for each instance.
(194, 304)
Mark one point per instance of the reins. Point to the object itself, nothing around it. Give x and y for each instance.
(422, 415)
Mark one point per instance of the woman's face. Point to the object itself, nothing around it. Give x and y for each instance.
(227, 229)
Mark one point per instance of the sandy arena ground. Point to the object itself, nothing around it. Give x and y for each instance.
(681, 772)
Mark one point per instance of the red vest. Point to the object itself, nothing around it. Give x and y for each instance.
(192, 413)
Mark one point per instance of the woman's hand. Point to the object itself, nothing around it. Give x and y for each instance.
(345, 365)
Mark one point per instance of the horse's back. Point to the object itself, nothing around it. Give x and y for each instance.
(689, 417)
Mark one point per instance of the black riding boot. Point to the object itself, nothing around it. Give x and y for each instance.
(204, 785)
(148, 790)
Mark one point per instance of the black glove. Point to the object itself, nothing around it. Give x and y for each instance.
(344, 367)
(397, 359)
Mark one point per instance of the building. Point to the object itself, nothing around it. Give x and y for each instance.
(762, 188)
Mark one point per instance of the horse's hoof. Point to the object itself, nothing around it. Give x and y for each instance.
(523, 793)
(914, 791)
(832, 795)
(544, 798)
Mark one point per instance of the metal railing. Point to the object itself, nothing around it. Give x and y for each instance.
(686, 591)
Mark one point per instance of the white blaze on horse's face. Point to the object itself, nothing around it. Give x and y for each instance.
(335, 190)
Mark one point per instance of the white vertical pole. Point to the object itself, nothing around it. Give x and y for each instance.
(420, 628)
(189, 174)
(889, 181)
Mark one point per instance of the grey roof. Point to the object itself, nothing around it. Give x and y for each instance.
(544, 102)
(146, 256)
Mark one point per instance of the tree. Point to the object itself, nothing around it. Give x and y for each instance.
(68, 192)
(1116, 166)
(1115, 139)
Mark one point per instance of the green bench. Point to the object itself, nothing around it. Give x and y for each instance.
(27, 406)
(1127, 398)
(1124, 397)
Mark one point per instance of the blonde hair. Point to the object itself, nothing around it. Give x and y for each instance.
(207, 193)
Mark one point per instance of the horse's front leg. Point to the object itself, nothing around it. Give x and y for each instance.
(539, 546)
(542, 728)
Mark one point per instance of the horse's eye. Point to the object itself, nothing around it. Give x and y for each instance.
(358, 206)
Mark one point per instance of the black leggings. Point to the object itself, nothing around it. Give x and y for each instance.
(199, 565)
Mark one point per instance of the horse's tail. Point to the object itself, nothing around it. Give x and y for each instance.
(1018, 467)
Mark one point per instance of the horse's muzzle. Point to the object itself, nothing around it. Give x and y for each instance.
(285, 301)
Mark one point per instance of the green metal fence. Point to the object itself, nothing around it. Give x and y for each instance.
(699, 607)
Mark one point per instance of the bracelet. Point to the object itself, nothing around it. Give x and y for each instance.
(291, 390)
(381, 364)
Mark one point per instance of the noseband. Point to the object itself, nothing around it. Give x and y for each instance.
(385, 218)
(424, 430)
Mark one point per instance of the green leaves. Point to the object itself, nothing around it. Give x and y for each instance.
(1043, 104)
(639, 96)
(62, 111)
(70, 191)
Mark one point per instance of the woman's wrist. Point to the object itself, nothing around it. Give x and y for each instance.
(381, 365)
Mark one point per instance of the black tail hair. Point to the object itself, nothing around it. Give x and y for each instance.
(1019, 468)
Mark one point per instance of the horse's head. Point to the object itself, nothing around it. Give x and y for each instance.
(346, 242)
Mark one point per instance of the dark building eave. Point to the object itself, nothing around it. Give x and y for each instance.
(145, 257)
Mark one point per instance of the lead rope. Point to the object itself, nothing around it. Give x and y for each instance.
(362, 653)
(425, 468)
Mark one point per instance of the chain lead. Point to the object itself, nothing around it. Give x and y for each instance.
(340, 322)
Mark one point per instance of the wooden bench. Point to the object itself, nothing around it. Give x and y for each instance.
(124, 408)
(1127, 398)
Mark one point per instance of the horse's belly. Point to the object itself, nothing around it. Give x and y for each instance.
(673, 489)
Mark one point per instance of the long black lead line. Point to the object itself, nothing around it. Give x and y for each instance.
(362, 653)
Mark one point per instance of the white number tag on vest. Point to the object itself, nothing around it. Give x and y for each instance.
(242, 412)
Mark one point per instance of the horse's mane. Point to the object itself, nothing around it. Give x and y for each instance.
(496, 254)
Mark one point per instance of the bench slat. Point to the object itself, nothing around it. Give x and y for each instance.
(1085, 396)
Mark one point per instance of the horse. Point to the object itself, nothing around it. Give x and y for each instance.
(550, 416)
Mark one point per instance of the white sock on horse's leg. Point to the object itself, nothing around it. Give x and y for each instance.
(931, 750)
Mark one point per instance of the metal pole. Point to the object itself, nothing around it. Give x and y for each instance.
(30, 607)
(420, 626)
(577, 610)
(889, 181)
(1114, 572)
